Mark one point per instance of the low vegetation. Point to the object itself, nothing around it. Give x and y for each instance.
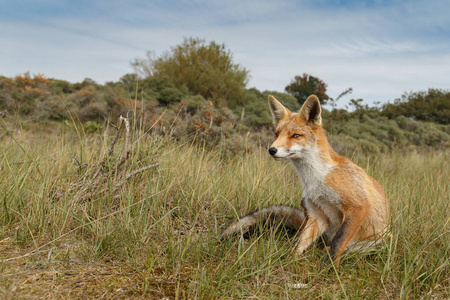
(120, 190)
(156, 235)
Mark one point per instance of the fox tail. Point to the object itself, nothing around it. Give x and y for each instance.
(289, 216)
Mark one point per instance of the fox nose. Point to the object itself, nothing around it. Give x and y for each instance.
(272, 151)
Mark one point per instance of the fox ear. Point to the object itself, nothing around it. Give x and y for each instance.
(311, 111)
(277, 109)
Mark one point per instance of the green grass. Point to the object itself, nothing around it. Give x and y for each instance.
(156, 236)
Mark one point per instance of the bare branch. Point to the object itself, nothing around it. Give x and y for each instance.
(131, 174)
(89, 185)
(110, 149)
(125, 151)
(113, 142)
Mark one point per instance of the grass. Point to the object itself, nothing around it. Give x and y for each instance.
(156, 237)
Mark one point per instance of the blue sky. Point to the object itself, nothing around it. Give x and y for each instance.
(379, 48)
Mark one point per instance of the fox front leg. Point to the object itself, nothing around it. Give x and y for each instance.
(316, 225)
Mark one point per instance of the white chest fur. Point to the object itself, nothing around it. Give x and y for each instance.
(311, 171)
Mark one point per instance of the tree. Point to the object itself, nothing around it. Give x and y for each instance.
(432, 106)
(303, 86)
(205, 69)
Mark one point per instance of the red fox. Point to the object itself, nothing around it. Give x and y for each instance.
(340, 201)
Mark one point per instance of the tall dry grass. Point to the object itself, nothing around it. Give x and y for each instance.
(157, 235)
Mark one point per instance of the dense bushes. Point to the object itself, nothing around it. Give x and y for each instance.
(255, 112)
(23, 92)
(205, 69)
(432, 106)
(196, 91)
(40, 98)
(164, 108)
(379, 134)
(159, 88)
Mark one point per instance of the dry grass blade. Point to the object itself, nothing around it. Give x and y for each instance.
(38, 249)
(110, 148)
(88, 185)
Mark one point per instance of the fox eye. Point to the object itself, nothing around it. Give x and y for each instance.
(296, 136)
(276, 134)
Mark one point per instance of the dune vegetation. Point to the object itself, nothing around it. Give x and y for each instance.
(121, 190)
(67, 232)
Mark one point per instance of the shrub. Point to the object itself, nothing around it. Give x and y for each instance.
(162, 89)
(205, 69)
(61, 86)
(211, 124)
(6, 101)
(432, 105)
(92, 126)
(255, 111)
(51, 108)
(193, 103)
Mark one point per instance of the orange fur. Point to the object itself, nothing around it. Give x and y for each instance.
(342, 202)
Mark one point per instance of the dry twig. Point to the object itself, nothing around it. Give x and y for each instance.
(129, 175)
(89, 185)
(125, 151)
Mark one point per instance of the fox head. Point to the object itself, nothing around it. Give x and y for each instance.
(296, 132)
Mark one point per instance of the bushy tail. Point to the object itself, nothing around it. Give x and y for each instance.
(289, 216)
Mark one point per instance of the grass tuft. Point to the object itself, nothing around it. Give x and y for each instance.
(157, 235)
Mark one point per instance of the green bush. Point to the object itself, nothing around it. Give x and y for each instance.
(288, 100)
(51, 108)
(92, 126)
(380, 134)
(212, 124)
(61, 86)
(193, 103)
(432, 106)
(6, 101)
(255, 111)
(205, 69)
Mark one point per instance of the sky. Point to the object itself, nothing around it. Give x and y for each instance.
(381, 49)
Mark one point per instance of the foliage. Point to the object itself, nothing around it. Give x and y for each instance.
(91, 102)
(432, 105)
(304, 85)
(255, 110)
(157, 88)
(374, 133)
(61, 86)
(162, 89)
(205, 69)
(6, 101)
(213, 127)
(26, 91)
(179, 85)
(92, 126)
(286, 99)
(194, 103)
(165, 108)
